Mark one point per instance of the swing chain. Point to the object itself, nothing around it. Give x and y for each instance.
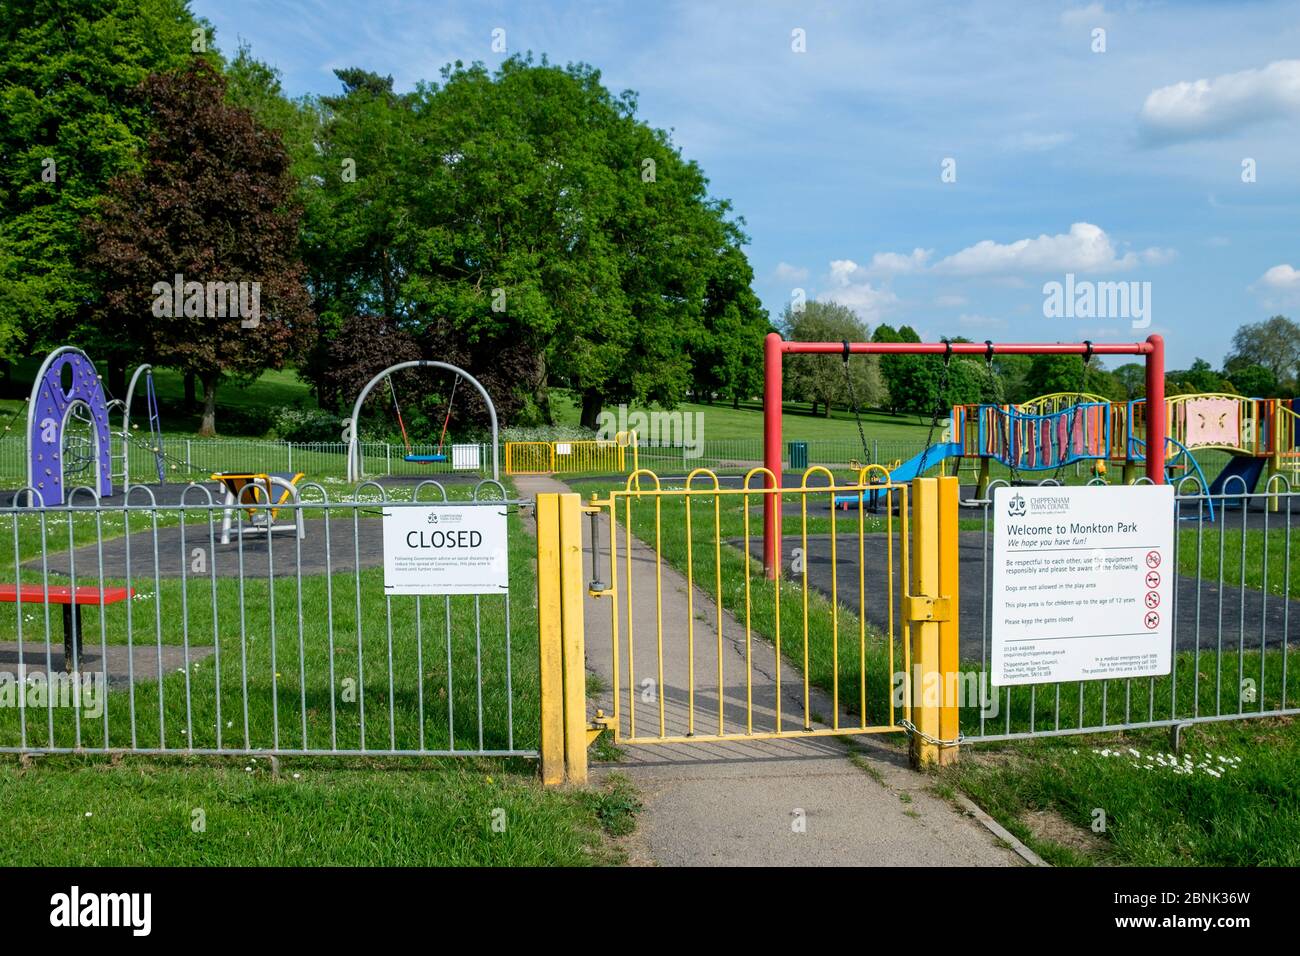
(853, 398)
(1074, 409)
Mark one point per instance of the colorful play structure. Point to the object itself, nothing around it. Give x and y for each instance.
(1054, 431)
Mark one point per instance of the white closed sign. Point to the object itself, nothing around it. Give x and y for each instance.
(1082, 584)
(445, 549)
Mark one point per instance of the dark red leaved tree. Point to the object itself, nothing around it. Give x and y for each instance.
(215, 203)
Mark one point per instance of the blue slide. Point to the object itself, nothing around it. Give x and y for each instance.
(911, 468)
(1245, 467)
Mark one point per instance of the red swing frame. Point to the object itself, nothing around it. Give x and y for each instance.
(774, 347)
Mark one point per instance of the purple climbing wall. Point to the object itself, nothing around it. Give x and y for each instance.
(49, 410)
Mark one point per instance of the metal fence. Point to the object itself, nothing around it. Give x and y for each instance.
(850, 611)
(1231, 615)
(282, 642)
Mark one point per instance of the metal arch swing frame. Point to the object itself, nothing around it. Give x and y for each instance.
(775, 347)
(354, 450)
(151, 412)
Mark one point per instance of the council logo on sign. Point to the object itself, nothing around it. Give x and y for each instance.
(1016, 507)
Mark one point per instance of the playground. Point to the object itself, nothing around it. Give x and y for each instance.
(247, 611)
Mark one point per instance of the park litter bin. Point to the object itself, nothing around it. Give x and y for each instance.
(798, 455)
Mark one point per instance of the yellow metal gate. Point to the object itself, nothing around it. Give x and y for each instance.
(603, 456)
(704, 648)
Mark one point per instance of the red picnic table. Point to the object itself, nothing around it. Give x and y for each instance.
(64, 595)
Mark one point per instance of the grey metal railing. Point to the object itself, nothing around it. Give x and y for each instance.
(273, 644)
(1234, 638)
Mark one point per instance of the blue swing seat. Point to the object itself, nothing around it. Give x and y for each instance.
(426, 457)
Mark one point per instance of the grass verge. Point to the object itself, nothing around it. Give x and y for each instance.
(68, 811)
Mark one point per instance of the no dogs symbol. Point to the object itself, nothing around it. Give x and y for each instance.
(1152, 620)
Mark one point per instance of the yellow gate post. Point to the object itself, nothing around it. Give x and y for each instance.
(550, 637)
(563, 672)
(950, 629)
(573, 592)
(931, 607)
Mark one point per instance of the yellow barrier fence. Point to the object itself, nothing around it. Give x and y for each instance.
(602, 456)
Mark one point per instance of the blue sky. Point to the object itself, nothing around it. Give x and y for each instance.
(1123, 164)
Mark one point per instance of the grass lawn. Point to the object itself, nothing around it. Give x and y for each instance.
(290, 653)
(1234, 804)
(1244, 559)
(69, 811)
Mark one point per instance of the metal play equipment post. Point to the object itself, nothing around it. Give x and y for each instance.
(354, 451)
(1153, 349)
(47, 417)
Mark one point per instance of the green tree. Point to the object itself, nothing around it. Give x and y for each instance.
(820, 379)
(1250, 379)
(1274, 344)
(529, 212)
(1201, 377)
(912, 380)
(71, 123)
(1049, 374)
(1130, 380)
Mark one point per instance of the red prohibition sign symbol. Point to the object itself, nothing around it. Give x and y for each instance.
(1153, 599)
(1153, 559)
(1152, 620)
(1153, 579)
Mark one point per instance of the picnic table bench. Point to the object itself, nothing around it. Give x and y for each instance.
(64, 595)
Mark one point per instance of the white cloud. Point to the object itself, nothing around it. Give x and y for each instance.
(897, 263)
(950, 301)
(1093, 15)
(1155, 256)
(1283, 277)
(1085, 248)
(850, 288)
(1209, 108)
(1278, 287)
(788, 273)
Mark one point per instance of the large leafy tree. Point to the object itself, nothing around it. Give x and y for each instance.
(820, 379)
(728, 342)
(526, 221)
(67, 71)
(214, 202)
(912, 380)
